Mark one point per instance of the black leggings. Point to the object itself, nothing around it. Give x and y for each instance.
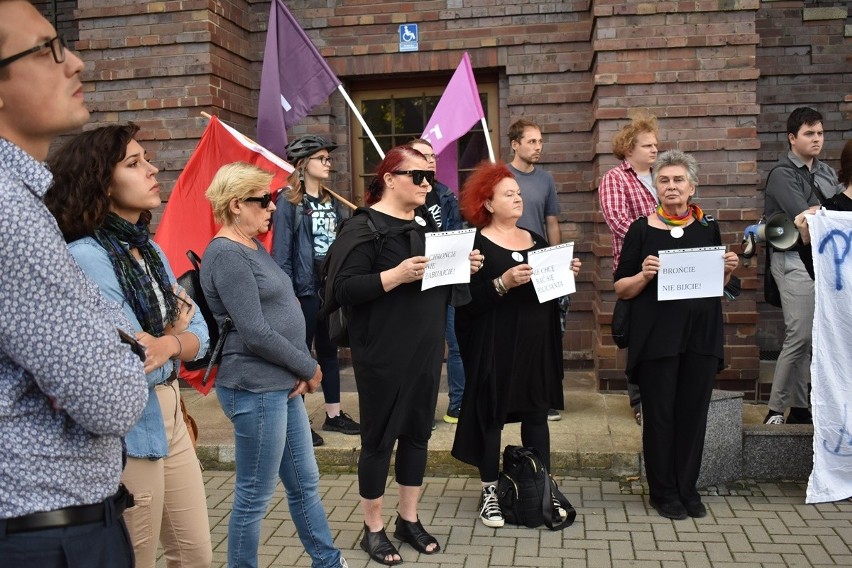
(534, 433)
(410, 465)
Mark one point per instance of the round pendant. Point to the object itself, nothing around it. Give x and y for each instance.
(517, 257)
(422, 222)
(676, 232)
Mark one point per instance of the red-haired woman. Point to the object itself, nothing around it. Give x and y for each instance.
(396, 333)
(510, 343)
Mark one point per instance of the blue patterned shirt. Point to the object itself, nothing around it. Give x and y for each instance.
(69, 390)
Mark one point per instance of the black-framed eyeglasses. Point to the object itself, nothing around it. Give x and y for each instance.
(57, 47)
(324, 160)
(264, 200)
(417, 176)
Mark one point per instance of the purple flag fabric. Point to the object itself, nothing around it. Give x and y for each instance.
(295, 78)
(457, 111)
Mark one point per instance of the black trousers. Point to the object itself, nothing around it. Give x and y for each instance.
(535, 433)
(675, 399)
(94, 545)
(409, 467)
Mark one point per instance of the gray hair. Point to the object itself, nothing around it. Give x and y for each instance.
(677, 158)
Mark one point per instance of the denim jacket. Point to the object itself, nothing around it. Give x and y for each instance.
(148, 438)
(293, 247)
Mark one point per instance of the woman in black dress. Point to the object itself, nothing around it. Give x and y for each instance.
(396, 333)
(675, 348)
(511, 345)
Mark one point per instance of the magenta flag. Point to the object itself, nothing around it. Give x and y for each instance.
(457, 111)
(294, 79)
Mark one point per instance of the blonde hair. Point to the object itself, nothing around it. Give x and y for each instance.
(625, 140)
(234, 181)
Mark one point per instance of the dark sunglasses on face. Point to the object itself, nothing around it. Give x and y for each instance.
(417, 176)
(263, 200)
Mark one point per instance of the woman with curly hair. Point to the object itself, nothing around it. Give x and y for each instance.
(511, 345)
(103, 192)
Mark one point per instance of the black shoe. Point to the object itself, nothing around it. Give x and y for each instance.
(673, 510)
(800, 416)
(553, 415)
(379, 547)
(414, 534)
(695, 509)
(342, 423)
(316, 439)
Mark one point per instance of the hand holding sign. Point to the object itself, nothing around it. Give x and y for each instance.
(553, 271)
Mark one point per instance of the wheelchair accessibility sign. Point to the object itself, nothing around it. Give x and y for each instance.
(408, 37)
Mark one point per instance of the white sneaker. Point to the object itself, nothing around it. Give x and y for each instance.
(775, 420)
(489, 509)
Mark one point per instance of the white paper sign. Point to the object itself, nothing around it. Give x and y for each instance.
(449, 261)
(831, 390)
(552, 276)
(691, 273)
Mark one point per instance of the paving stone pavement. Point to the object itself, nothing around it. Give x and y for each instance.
(749, 524)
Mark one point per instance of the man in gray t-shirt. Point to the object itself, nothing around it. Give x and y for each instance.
(538, 190)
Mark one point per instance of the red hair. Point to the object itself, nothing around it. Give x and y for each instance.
(479, 188)
(392, 162)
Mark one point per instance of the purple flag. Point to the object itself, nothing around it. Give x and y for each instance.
(457, 111)
(295, 78)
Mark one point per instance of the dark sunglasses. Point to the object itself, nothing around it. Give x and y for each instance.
(57, 49)
(264, 200)
(417, 176)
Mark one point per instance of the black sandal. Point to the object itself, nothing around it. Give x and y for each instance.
(414, 534)
(379, 547)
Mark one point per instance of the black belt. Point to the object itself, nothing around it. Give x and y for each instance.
(71, 516)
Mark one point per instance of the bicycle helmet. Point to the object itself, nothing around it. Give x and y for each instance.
(305, 146)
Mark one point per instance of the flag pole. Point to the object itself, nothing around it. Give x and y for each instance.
(361, 120)
(488, 140)
(334, 194)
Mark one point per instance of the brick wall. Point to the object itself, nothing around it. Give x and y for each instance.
(720, 74)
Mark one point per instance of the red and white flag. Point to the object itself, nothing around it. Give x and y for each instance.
(188, 222)
(457, 111)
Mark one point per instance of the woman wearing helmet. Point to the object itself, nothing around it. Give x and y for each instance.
(305, 223)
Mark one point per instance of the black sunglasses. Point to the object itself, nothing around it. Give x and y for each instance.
(57, 49)
(264, 200)
(417, 176)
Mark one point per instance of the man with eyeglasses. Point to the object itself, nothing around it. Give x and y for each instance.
(443, 206)
(69, 389)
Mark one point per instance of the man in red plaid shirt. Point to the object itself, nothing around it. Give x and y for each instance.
(627, 193)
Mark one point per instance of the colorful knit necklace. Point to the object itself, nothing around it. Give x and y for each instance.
(679, 220)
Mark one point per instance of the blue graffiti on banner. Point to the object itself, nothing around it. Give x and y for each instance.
(840, 252)
(409, 38)
(844, 440)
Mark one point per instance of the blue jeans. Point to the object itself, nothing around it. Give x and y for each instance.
(455, 369)
(273, 439)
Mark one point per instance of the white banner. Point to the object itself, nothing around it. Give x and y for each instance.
(831, 388)
(691, 273)
(449, 261)
(552, 276)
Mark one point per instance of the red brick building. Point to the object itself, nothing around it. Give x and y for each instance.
(721, 75)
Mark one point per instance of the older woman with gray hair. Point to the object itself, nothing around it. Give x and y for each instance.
(265, 368)
(675, 348)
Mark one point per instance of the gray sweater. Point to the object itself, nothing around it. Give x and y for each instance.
(265, 351)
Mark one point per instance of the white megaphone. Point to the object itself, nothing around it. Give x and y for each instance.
(779, 232)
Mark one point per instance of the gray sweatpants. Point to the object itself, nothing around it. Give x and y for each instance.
(793, 369)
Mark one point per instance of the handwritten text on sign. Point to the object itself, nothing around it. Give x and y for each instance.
(449, 261)
(552, 276)
(691, 273)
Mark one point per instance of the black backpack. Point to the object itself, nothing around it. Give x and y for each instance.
(191, 282)
(525, 491)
